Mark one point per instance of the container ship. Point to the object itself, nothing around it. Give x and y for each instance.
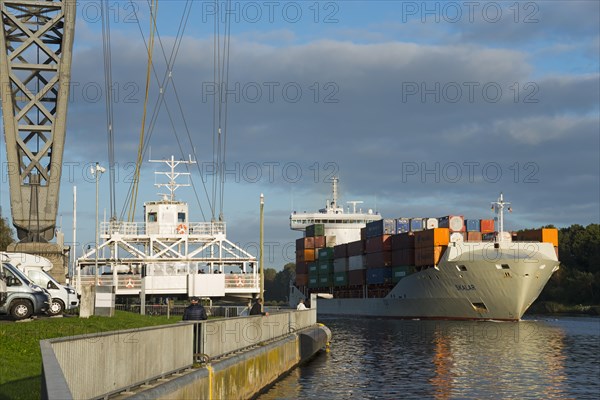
(446, 267)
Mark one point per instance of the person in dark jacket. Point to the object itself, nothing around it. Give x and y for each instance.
(195, 311)
(257, 308)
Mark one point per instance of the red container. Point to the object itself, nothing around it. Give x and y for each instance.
(301, 279)
(403, 257)
(319, 242)
(379, 260)
(301, 268)
(403, 241)
(356, 277)
(429, 256)
(487, 225)
(340, 251)
(474, 236)
(305, 243)
(356, 248)
(378, 244)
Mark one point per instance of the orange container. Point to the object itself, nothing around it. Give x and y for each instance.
(432, 238)
(487, 225)
(474, 236)
(546, 235)
(306, 255)
(319, 242)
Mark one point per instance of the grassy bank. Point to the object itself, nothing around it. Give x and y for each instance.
(20, 357)
(552, 307)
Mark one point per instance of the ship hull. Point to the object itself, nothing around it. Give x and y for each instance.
(473, 281)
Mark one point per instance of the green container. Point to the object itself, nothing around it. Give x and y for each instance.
(325, 280)
(315, 230)
(340, 279)
(326, 253)
(325, 268)
(313, 268)
(313, 281)
(400, 272)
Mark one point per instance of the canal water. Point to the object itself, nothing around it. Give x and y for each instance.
(538, 358)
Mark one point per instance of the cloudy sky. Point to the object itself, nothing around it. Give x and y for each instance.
(421, 109)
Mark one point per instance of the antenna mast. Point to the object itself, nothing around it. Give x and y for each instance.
(172, 185)
(498, 207)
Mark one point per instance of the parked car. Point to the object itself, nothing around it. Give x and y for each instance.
(23, 297)
(35, 268)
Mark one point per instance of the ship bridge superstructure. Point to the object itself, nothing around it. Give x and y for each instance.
(345, 225)
(169, 254)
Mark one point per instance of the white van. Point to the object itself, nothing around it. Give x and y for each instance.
(35, 268)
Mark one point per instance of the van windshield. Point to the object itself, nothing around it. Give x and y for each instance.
(15, 271)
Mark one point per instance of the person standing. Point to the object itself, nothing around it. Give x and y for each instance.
(195, 311)
(301, 305)
(257, 308)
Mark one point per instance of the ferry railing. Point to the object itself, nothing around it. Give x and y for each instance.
(142, 228)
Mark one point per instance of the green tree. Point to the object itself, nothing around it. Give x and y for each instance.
(6, 234)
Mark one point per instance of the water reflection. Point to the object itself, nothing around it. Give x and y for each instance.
(445, 359)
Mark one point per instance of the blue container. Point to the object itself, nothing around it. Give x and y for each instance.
(416, 224)
(402, 225)
(381, 227)
(472, 225)
(377, 276)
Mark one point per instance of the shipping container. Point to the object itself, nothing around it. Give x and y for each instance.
(547, 235)
(356, 248)
(356, 277)
(340, 251)
(302, 268)
(325, 268)
(400, 272)
(378, 276)
(491, 236)
(306, 255)
(326, 253)
(427, 256)
(379, 260)
(315, 230)
(381, 227)
(325, 280)
(487, 226)
(319, 242)
(356, 262)
(330, 241)
(363, 233)
(432, 237)
(340, 279)
(378, 243)
(430, 223)
(453, 222)
(403, 241)
(402, 225)
(305, 243)
(403, 257)
(457, 237)
(313, 268)
(416, 224)
(301, 279)
(313, 282)
(472, 225)
(474, 236)
(340, 265)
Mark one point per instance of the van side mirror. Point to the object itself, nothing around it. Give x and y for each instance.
(12, 281)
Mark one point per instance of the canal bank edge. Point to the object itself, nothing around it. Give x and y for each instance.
(242, 375)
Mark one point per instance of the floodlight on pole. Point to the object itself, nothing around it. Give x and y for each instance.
(96, 171)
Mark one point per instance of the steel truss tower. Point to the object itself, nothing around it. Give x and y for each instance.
(36, 45)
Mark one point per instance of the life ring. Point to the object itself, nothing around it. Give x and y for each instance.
(129, 283)
(181, 229)
(239, 281)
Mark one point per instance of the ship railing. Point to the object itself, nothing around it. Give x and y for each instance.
(241, 281)
(124, 282)
(142, 228)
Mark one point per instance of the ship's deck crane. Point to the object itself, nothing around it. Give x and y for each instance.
(36, 43)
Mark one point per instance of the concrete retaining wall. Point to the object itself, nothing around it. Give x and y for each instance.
(243, 375)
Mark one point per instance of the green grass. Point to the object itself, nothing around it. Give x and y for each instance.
(20, 356)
